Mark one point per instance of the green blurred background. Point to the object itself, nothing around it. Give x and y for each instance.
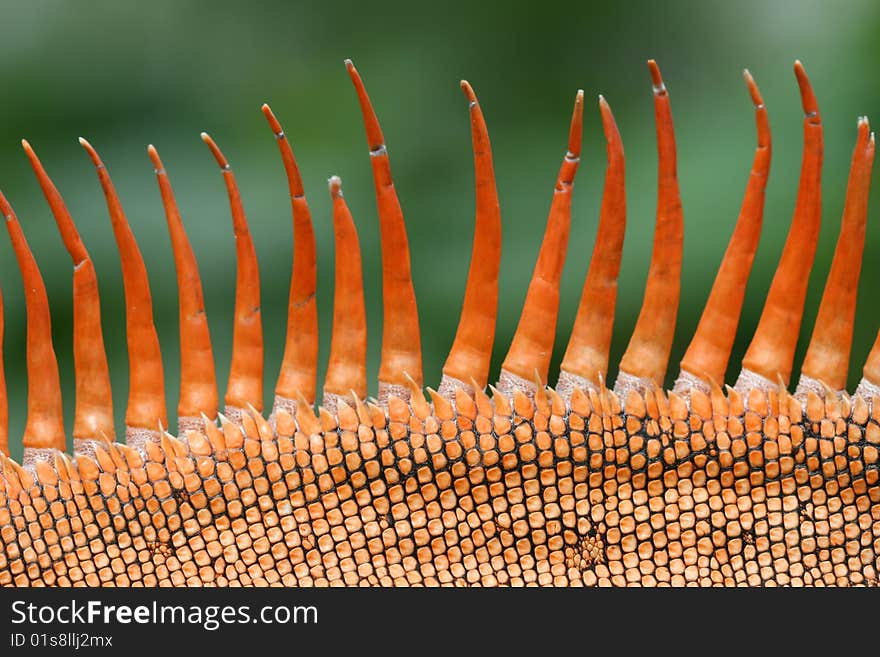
(125, 74)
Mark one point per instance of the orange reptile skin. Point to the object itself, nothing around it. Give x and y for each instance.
(579, 486)
(493, 494)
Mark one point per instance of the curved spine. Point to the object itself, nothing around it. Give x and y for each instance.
(93, 418)
(530, 350)
(245, 386)
(44, 428)
(198, 379)
(586, 357)
(827, 358)
(647, 355)
(299, 366)
(471, 351)
(709, 351)
(770, 355)
(347, 369)
(4, 399)
(401, 339)
(146, 413)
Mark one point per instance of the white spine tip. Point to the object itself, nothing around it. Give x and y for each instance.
(335, 185)
(349, 63)
(82, 141)
(204, 136)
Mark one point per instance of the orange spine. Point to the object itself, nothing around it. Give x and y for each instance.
(198, 381)
(401, 341)
(532, 344)
(707, 355)
(4, 399)
(647, 354)
(347, 369)
(146, 389)
(587, 353)
(827, 358)
(45, 421)
(771, 352)
(471, 350)
(299, 367)
(245, 385)
(93, 418)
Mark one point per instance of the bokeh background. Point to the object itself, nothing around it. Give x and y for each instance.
(125, 74)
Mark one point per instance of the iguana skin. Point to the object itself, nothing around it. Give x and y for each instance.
(492, 493)
(708, 488)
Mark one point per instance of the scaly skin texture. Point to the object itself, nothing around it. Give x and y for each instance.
(583, 487)
(536, 492)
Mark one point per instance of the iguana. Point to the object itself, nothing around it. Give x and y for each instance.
(577, 485)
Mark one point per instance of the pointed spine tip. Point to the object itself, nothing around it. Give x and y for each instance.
(656, 78)
(576, 131)
(808, 96)
(348, 64)
(154, 158)
(754, 92)
(375, 137)
(274, 123)
(222, 162)
(5, 208)
(29, 151)
(93, 154)
(335, 185)
(864, 131)
(468, 92)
